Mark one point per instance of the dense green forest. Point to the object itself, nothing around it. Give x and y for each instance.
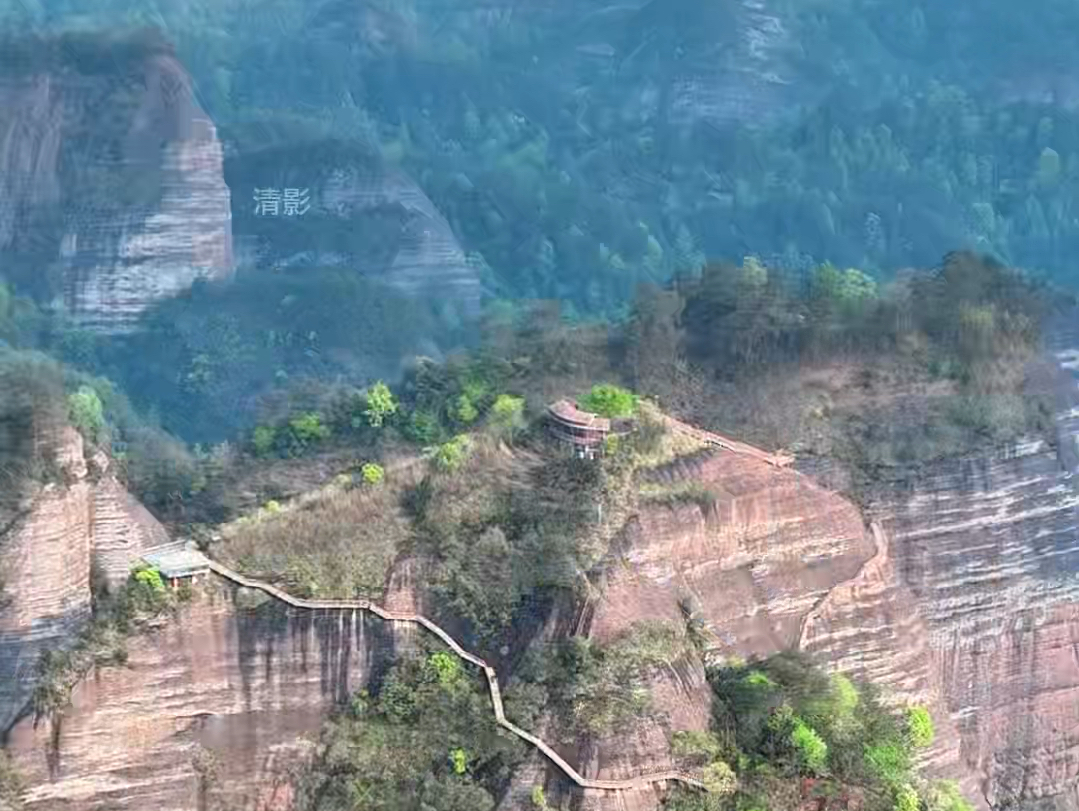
(901, 143)
(784, 734)
(577, 150)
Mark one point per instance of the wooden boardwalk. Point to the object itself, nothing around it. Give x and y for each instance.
(712, 438)
(639, 782)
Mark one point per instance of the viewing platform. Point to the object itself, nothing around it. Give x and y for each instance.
(584, 431)
(178, 561)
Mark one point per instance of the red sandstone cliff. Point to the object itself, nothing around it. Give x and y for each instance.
(777, 562)
(250, 681)
(964, 601)
(62, 530)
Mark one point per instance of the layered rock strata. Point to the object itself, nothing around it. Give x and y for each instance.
(245, 678)
(115, 259)
(84, 520)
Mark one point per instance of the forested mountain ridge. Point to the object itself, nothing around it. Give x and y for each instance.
(439, 497)
(580, 149)
(568, 152)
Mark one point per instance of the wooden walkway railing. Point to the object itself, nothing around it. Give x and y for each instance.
(642, 781)
(712, 438)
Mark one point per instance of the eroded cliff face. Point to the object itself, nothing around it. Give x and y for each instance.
(237, 675)
(988, 548)
(84, 519)
(114, 258)
(963, 599)
(776, 562)
(966, 601)
(360, 214)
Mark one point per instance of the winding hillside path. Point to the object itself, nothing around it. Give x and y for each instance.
(641, 781)
(880, 549)
(733, 445)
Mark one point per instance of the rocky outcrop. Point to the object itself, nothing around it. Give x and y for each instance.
(65, 528)
(116, 267)
(987, 546)
(243, 677)
(751, 83)
(363, 215)
(872, 626)
(122, 189)
(760, 566)
(45, 556)
(966, 600)
(963, 598)
(756, 562)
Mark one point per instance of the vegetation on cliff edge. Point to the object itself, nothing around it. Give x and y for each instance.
(786, 736)
(425, 738)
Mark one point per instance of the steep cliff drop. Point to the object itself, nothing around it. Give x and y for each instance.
(961, 601)
(247, 680)
(777, 562)
(86, 520)
(112, 174)
(987, 546)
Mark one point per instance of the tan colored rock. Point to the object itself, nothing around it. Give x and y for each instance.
(987, 547)
(45, 557)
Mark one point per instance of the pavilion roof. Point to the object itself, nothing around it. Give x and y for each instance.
(566, 411)
(175, 560)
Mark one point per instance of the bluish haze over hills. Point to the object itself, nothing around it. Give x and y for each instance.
(571, 150)
(876, 134)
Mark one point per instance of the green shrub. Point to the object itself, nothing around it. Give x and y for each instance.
(465, 410)
(507, 415)
(459, 760)
(944, 796)
(720, 779)
(888, 762)
(263, 439)
(149, 578)
(919, 727)
(694, 744)
(539, 799)
(423, 427)
(86, 413)
(845, 696)
(412, 745)
(611, 445)
(308, 429)
(380, 404)
(372, 473)
(906, 799)
(272, 507)
(601, 687)
(449, 456)
(810, 746)
(446, 668)
(609, 400)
